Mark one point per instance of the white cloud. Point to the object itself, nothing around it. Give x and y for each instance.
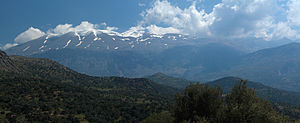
(28, 35)
(283, 30)
(294, 12)
(112, 28)
(103, 24)
(134, 32)
(9, 45)
(61, 29)
(188, 20)
(228, 19)
(153, 29)
(84, 28)
(141, 4)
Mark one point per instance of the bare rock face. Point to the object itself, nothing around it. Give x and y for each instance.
(6, 64)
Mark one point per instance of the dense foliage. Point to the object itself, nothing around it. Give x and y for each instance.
(242, 105)
(44, 91)
(204, 104)
(41, 100)
(198, 101)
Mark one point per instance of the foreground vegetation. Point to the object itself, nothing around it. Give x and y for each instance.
(204, 104)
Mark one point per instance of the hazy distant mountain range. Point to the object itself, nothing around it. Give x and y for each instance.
(278, 67)
(106, 54)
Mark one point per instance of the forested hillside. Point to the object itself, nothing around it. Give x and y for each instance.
(47, 91)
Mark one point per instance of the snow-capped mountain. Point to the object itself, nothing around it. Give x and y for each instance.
(99, 41)
(105, 53)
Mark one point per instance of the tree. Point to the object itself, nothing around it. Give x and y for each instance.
(197, 102)
(204, 104)
(243, 106)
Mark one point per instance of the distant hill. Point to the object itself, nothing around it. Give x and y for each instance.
(169, 80)
(48, 91)
(268, 93)
(272, 94)
(276, 67)
(105, 63)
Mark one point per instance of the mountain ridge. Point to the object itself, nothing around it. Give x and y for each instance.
(277, 67)
(272, 94)
(266, 92)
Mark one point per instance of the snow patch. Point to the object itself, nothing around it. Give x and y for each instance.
(96, 39)
(144, 39)
(41, 47)
(67, 43)
(157, 36)
(125, 39)
(79, 44)
(26, 48)
(76, 34)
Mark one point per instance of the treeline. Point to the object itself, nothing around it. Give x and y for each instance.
(205, 104)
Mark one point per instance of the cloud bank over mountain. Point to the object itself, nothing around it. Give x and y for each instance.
(30, 34)
(267, 19)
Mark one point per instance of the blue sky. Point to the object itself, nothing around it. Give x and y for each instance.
(18, 15)
(268, 19)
